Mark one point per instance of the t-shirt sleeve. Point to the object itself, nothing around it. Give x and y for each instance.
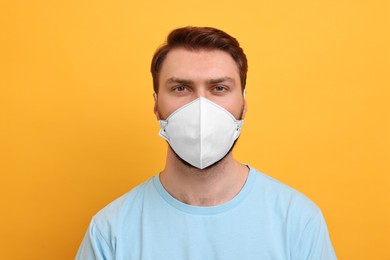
(94, 245)
(314, 242)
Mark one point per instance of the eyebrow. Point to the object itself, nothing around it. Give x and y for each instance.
(210, 81)
(220, 80)
(178, 80)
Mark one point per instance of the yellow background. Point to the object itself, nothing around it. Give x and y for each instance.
(77, 128)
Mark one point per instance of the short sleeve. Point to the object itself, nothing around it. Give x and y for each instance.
(314, 242)
(94, 245)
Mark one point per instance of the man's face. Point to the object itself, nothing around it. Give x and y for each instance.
(186, 75)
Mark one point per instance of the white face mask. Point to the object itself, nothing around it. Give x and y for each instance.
(201, 132)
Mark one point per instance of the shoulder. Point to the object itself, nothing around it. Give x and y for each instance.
(301, 218)
(107, 225)
(112, 215)
(283, 197)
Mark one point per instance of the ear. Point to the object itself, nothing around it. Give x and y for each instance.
(155, 109)
(244, 109)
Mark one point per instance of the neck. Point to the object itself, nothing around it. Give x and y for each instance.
(208, 187)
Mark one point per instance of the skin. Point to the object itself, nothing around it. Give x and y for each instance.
(186, 75)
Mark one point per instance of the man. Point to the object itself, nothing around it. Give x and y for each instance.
(205, 204)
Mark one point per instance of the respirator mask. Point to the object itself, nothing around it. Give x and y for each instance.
(201, 132)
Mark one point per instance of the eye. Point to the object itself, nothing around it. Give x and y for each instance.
(180, 88)
(220, 88)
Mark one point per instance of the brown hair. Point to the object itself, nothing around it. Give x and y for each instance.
(196, 38)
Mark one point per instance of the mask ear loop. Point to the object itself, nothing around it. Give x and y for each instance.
(162, 133)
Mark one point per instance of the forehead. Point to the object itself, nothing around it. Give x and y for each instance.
(198, 64)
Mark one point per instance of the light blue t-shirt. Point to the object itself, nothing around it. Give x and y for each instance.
(266, 220)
